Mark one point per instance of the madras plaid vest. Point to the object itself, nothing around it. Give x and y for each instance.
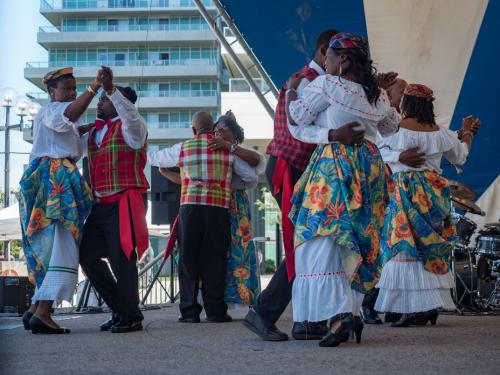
(115, 166)
(283, 145)
(205, 174)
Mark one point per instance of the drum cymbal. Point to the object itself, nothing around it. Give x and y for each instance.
(468, 206)
(460, 190)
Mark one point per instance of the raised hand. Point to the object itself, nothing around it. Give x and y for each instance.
(294, 80)
(386, 80)
(105, 76)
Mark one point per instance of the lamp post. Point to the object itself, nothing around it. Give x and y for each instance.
(23, 107)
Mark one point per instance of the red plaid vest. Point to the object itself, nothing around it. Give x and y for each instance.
(115, 166)
(205, 174)
(283, 145)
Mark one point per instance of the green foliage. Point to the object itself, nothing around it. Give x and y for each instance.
(269, 266)
(268, 204)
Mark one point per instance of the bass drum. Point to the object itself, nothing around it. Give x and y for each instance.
(465, 229)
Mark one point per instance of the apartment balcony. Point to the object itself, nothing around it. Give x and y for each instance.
(133, 35)
(87, 70)
(56, 10)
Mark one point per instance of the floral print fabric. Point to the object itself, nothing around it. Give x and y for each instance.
(342, 194)
(51, 190)
(242, 279)
(419, 220)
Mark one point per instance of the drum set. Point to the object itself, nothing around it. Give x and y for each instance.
(475, 262)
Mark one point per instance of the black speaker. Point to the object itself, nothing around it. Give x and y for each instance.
(15, 294)
(165, 198)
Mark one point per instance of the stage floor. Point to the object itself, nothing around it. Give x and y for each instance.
(457, 344)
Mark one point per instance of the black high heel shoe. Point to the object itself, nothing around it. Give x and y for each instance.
(341, 334)
(358, 328)
(405, 321)
(37, 326)
(26, 320)
(430, 316)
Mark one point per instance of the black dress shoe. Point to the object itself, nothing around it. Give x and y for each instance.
(309, 330)
(37, 326)
(219, 319)
(422, 319)
(370, 316)
(106, 326)
(391, 317)
(26, 320)
(405, 321)
(188, 320)
(254, 323)
(125, 327)
(341, 334)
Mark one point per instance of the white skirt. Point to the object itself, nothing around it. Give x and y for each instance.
(321, 289)
(407, 287)
(62, 275)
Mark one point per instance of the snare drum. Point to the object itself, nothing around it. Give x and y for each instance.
(465, 229)
(489, 246)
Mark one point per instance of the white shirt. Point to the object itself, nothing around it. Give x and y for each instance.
(310, 134)
(54, 135)
(340, 102)
(238, 183)
(134, 127)
(169, 157)
(434, 145)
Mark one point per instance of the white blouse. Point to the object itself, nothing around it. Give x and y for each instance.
(434, 144)
(238, 183)
(54, 135)
(331, 102)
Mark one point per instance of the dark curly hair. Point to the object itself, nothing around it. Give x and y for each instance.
(236, 129)
(362, 68)
(128, 92)
(421, 109)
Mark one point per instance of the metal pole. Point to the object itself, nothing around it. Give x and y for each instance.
(6, 158)
(250, 81)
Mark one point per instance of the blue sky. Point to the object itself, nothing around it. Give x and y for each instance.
(19, 23)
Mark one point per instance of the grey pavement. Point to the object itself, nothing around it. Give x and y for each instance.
(456, 345)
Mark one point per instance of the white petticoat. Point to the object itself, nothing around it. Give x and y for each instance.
(321, 289)
(405, 286)
(61, 277)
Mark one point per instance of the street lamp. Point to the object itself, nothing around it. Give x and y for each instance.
(23, 107)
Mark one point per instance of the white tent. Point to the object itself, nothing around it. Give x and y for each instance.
(10, 227)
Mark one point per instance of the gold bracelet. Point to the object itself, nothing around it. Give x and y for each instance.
(91, 90)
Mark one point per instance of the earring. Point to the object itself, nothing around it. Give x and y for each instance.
(340, 71)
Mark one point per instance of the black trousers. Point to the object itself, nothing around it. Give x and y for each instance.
(204, 240)
(273, 300)
(101, 239)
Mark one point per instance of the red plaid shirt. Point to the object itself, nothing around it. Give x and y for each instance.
(283, 145)
(115, 166)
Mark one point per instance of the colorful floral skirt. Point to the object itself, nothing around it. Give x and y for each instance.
(52, 193)
(416, 242)
(342, 195)
(242, 278)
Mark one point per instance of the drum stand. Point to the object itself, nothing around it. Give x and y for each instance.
(468, 292)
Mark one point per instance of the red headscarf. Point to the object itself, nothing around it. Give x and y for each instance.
(418, 90)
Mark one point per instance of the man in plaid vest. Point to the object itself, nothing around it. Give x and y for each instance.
(204, 227)
(116, 228)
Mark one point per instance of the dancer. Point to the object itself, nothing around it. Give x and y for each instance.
(54, 200)
(204, 236)
(338, 203)
(419, 231)
(242, 276)
(116, 228)
(287, 161)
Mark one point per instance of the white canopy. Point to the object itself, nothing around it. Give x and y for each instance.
(10, 227)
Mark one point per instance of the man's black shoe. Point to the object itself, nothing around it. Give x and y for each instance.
(124, 327)
(255, 324)
(309, 330)
(106, 326)
(392, 317)
(370, 316)
(219, 319)
(188, 320)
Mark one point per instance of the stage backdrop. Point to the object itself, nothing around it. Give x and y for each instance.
(450, 45)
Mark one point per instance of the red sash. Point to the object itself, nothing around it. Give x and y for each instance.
(130, 207)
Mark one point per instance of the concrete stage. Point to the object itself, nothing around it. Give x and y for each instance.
(456, 345)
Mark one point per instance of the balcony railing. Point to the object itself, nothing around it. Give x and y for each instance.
(148, 94)
(115, 28)
(241, 85)
(169, 125)
(90, 4)
(37, 95)
(117, 63)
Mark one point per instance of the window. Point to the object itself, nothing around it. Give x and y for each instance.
(164, 89)
(119, 59)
